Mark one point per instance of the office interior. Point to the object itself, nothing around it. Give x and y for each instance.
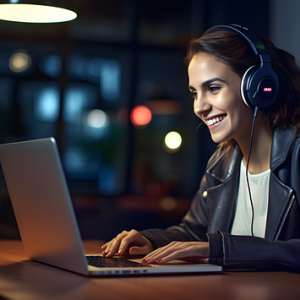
(110, 86)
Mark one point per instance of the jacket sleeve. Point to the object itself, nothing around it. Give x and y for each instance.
(247, 252)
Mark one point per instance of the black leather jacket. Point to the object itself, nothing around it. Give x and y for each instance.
(212, 210)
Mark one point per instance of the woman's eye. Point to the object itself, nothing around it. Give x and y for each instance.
(214, 88)
(193, 95)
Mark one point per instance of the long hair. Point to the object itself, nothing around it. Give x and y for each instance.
(235, 52)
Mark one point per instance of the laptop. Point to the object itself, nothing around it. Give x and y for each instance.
(45, 216)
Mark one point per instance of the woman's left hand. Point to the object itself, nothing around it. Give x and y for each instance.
(190, 251)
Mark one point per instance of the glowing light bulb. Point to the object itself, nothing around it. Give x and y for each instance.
(140, 115)
(173, 140)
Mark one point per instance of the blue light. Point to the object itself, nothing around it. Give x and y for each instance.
(47, 104)
(110, 80)
(51, 65)
(73, 106)
(107, 180)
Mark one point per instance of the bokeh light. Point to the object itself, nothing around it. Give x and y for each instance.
(140, 115)
(47, 104)
(96, 125)
(173, 140)
(96, 118)
(20, 61)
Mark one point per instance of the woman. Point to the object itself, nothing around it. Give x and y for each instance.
(246, 213)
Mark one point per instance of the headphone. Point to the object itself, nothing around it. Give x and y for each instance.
(260, 84)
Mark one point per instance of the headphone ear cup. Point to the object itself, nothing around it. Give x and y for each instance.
(260, 87)
(246, 80)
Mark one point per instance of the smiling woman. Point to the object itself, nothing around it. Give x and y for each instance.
(237, 77)
(217, 97)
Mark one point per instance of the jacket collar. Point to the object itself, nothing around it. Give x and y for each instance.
(283, 139)
(228, 163)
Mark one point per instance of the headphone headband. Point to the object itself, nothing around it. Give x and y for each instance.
(249, 35)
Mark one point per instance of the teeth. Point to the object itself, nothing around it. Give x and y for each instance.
(215, 120)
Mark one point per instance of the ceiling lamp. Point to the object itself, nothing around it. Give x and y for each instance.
(37, 11)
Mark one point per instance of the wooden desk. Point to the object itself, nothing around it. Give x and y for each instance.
(23, 279)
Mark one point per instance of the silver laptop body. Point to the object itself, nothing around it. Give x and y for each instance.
(45, 215)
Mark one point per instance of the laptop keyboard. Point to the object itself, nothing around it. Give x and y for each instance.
(107, 262)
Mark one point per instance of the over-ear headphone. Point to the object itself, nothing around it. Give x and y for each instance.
(260, 84)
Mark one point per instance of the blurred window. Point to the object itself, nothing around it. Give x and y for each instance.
(104, 72)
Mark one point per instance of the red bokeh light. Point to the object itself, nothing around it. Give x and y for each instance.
(140, 115)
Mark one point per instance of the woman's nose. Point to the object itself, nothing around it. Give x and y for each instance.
(201, 106)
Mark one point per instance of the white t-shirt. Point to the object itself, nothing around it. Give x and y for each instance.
(259, 187)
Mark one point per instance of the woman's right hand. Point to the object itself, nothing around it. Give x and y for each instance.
(127, 243)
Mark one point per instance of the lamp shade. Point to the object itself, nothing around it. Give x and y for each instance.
(37, 11)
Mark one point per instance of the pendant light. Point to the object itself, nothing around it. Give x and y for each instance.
(37, 11)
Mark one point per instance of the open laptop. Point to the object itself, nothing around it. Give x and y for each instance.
(46, 219)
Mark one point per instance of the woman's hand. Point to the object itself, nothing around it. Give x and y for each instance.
(190, 251)
(127, 243)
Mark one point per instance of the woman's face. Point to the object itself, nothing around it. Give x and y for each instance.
(217, 98)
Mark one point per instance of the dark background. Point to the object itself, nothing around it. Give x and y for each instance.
(117, 54)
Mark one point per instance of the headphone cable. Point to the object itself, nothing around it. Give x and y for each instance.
(256, 110)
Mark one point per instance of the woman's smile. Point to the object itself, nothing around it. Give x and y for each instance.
(213, 122)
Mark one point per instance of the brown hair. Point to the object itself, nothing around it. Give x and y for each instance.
(235, 52)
